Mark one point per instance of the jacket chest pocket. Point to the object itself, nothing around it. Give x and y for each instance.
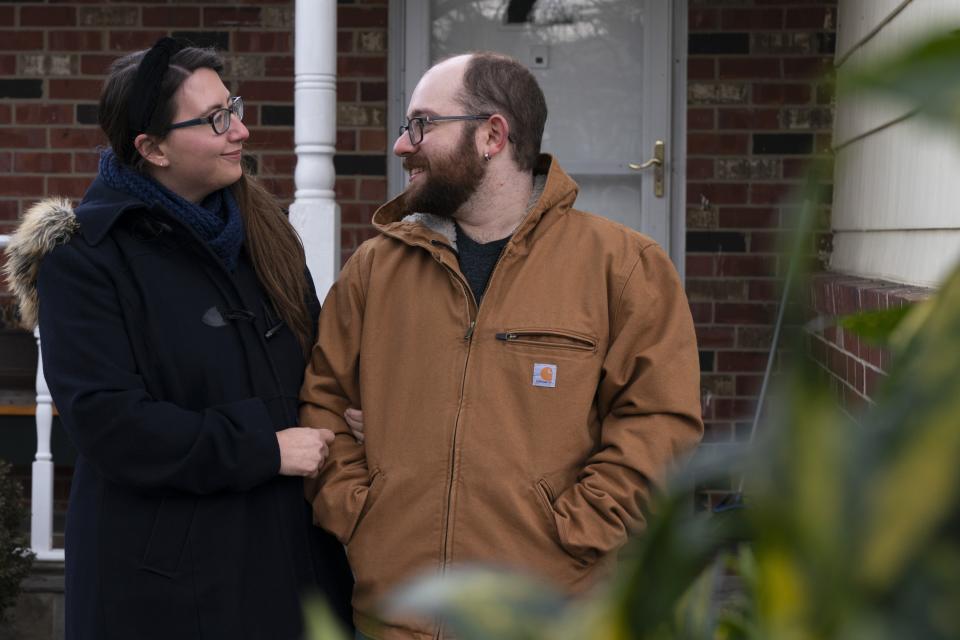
(548, 339)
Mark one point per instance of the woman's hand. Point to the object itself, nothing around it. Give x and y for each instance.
(354, 418)
(303, 450)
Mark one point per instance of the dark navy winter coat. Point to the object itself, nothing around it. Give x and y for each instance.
(171, 376)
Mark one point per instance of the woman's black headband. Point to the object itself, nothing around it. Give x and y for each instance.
(145, 93)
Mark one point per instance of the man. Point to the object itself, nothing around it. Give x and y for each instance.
(527, 371)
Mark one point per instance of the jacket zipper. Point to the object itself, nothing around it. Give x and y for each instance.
(574, 341)
(468, 338)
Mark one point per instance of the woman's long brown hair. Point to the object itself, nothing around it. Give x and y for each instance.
(273, 244)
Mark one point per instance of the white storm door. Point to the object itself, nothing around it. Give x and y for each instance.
(608, 70)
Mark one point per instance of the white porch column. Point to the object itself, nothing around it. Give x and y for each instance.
(315, 213)
(41, 495)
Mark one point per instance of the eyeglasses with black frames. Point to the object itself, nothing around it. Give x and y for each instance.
(415, 126)
(219, 120)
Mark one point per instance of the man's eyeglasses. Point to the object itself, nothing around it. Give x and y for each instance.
(414, 126)
(219, 119)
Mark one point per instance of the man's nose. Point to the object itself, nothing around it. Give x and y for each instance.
(403, 147)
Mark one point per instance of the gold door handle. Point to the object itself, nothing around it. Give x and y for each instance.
(657, 163)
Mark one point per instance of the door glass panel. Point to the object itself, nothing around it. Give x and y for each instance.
(587, 57)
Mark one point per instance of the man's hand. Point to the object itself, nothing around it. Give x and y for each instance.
(303, 450)
(354, 418)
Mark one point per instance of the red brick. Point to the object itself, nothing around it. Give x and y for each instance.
(699, 168)
(44, 114)
(69, 88)
(743, 265)
(231, 17)
(795, 167)
(6, 16)
(6, 114)
(263, 41)
(9, 210)
(740, 118)
(67, 187)
(373, 140)
(811, 18)
(23, 137)
(766, 242)
(345, 41)
(763, 290)
(702, 312)
(872, 380)
(278, 66)
(741, 361)
(76, 138)
(6, 162)
(356, 213)
(21, 40)
(748, 218)
(806, 67)
(351, 66)
(752, 68)
(781, 93)
(278, 163)
(712, 337)
(717, 192)
(31, 186)
(765, 193)
(42, 163)
(717, 143)
(743, 19)
(75, 41)
(699, 265)
(374, 189)
(133, 40)
(700, 118)
(745, 313)
(699, 19)
(347, 91)
(85, 161)
(171, 17)
(272, 139)
(747, 385)
(701, 68)
(345, 189)
(346, 140)
(8, 65)
(373, 91)
(273, 91)
(48, 16)
(96, 65)
(251, 115)
(733, 409)
(348, 17)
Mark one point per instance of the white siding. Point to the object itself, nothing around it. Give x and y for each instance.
(897, 179)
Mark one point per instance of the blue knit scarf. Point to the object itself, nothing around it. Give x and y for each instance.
(216, 219)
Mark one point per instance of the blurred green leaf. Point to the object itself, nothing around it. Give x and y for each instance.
(876, 326)
(482, 603)
(321, 623)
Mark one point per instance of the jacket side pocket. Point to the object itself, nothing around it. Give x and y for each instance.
(168, 538)
(546, 495)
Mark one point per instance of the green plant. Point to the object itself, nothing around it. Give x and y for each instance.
(15, 555)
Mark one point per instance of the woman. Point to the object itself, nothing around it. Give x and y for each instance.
(176, 315)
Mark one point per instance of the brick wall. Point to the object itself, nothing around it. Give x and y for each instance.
(53, 57)
(758, 110)
(855, 367)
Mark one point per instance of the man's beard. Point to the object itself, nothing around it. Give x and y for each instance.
(447, 182)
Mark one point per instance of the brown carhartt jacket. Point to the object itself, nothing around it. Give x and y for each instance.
(527, 432)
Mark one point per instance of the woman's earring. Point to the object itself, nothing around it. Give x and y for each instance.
(486, 156)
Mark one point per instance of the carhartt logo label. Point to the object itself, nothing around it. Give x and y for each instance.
(544, 375)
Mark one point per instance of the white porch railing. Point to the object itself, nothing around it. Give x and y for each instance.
(41, 493)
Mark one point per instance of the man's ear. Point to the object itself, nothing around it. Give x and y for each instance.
(495, 134)
(150, 149)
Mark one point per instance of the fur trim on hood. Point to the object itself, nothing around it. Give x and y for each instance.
(46, 224)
